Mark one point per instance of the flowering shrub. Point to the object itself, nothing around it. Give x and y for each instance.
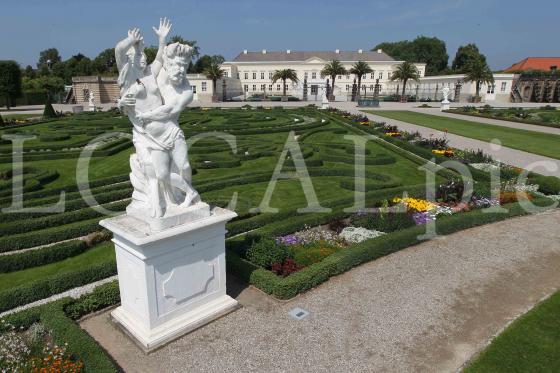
(310, 235)
(14, 352)
(286, 268)
(393, 134)
(510, 197)
(55, 360)
(415, 204)
(359, 234)
(444, 152)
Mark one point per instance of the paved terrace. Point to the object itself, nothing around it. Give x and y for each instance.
(426, 308)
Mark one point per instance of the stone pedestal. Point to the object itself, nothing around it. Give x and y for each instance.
(444, 105)
(171, 281)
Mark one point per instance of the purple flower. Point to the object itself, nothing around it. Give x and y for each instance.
(422, 217)
(288, 240)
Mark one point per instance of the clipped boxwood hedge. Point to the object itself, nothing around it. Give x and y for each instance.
(55, 284)
(34, 258)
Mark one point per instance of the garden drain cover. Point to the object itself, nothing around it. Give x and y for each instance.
(298, 313)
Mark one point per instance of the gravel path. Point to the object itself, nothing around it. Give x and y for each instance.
(73, 293)
(507, 155)
(427, 308)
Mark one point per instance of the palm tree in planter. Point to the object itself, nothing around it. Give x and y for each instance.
(405, 72)
(333, 69)
(360, 69)
(284, 75)
(214, 73)
(478, 71)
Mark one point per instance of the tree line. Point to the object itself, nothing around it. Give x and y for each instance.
(52, 73)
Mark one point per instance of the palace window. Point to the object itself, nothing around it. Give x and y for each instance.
(364, 76)
(372, 75)
(254, 87)
(277, 87)
(305, 75)
(313, 75)
(490, 88)
(254, 75)
(347, 87)
(225, 74)
(347, 76)
(270, 75)
(503, 87)
(381, 75)
(270, 87)
(339, 77)
(263, 87)
(286, 87)
(246, 75)
(371, 87)
(194, 89)
(262, 75)
(246, 87)
(203, 87)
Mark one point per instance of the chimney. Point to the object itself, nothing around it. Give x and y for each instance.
(337, 51)
(380, 50)
(264, 51)
(288, 51)
(244, 51)
(360, 51)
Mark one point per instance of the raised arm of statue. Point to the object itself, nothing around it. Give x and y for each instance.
(124, 45)
(161, 32)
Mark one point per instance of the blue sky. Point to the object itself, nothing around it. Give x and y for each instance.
(506, 31)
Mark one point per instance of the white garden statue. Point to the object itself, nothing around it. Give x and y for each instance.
(445, 103)
(153, 97)
(169, 246)
(91, 101)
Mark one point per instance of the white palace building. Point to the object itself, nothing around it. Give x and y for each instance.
(249, 75)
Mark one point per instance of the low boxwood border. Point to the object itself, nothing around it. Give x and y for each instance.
(59, 318)
(344, 260)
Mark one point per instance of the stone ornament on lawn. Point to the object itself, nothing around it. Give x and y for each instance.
(170, 246)
(445, 103)
(153, 96)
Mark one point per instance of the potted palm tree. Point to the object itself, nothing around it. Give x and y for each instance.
(333, 69)
(360, 69)
(214, 73)
(284, 75)
(405, 72)
(478, 71)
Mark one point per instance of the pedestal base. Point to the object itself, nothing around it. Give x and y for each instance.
(444, 106)
(175, 215)
(171, 281)
(150, 340)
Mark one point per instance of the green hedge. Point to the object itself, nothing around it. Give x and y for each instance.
(65, 330)
(34, 258)
(55, 284)
(339, 262)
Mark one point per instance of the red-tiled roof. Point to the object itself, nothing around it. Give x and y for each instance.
(535, 63)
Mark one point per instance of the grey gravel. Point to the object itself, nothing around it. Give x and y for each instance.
(426, 308)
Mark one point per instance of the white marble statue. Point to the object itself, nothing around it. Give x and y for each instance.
(91, 101)
(445, 94)
(153, 97)
(445, 103)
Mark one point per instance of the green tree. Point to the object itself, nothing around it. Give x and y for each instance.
(206, 61)
(47, 56)
(105, 63)
(47, 84)
(404, 72)
(360, 69)
(10, 82)
(478, 71)
(464, 56)
(29, 72)
(284, 75)
(214, 73)
(333, 69)
(431, 51)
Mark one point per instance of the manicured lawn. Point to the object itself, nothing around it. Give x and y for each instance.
(530, 344)
(101, 253)
(529, 141)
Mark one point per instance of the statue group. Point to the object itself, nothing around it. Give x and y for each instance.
(153, 96)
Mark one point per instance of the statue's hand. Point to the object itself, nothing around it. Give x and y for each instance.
(164, 28)
(127, 100)
(135, 36)
(142, 118)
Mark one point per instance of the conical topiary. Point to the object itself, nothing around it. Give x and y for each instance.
(1, 121)
(49, 110)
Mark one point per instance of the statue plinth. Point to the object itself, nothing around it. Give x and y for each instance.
(444, 105)
(171, 281)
